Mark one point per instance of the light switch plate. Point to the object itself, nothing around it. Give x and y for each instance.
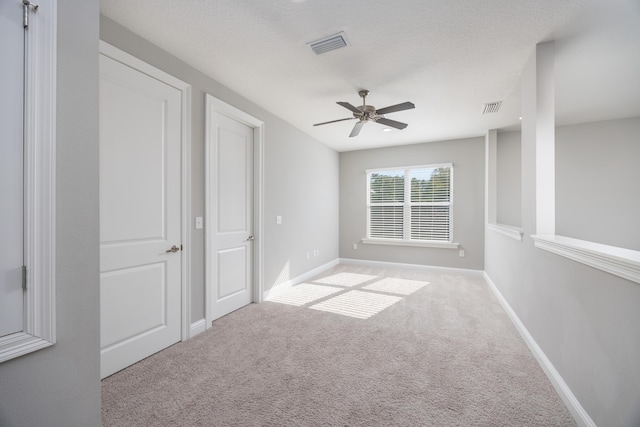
(198, 223)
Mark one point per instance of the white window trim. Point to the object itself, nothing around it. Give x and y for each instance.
(397, 168)
(40, 184)
(418, 243)
(406, 241)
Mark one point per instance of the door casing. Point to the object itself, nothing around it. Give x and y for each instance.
(221, 107)
(185, 211)
(12, 153)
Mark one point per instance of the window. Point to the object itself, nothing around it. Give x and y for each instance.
(410, 205)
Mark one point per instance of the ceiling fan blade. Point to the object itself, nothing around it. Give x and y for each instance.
(392, 123)
(397, 107)
(334, 121)
(356, 129)
(349, 106)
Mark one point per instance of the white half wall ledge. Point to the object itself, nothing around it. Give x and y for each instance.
(512, 232)
(581, 416)
(612, 259)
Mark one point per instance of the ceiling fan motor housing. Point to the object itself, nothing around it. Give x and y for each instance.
(368, 113)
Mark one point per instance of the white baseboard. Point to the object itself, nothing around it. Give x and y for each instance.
(384, 264)
(569, 399)
(197, 327)
(281, 287)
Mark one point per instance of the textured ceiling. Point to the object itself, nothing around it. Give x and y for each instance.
(448, 57)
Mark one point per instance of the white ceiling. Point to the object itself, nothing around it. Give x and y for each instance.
(448, 57)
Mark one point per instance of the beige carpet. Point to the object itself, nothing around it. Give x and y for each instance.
(354, 347)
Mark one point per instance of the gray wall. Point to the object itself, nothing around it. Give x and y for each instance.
(59, 386)
(594, 162)
(597, 182)
(467, 156)
(585, 320)
(508, 178)
(300, 179)
(301, 186)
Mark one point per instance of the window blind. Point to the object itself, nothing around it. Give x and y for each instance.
(412, 203)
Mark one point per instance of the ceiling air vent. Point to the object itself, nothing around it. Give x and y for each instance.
(491, 107)
(330, 43)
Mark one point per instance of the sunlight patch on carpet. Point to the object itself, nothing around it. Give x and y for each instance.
(358, 304)
(303, 293)
(346, 279)
(395, 285)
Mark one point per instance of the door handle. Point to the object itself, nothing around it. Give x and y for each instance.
(250, 238)
(173, 249)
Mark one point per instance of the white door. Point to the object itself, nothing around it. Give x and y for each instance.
(230, 207)
(11, 166)
(140, 208)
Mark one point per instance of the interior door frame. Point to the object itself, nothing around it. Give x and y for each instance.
(221, 107)
(185, 188)
(39, 326)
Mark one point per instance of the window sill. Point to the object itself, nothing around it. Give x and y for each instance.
(612, 259)
(513, 232)
(423, 244)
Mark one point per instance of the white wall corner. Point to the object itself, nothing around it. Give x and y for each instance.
(545, 139)
(491, 174)
(581, 416)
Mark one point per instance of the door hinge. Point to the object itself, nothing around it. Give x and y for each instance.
(24, 277)
(26, 4)
(180, 247)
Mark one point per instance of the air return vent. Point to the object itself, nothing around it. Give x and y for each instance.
(491, 107)
(330, 43)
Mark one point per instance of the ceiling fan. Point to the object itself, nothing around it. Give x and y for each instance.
(366, 113)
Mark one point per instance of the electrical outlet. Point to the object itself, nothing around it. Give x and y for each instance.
(279, 219)
(461, 253)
